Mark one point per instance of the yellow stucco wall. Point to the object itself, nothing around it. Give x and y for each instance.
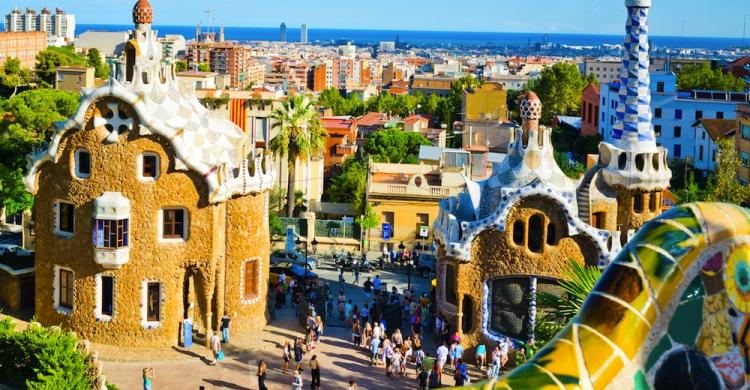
(487, 102)
(405, 221)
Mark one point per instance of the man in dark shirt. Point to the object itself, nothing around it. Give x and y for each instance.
(225, 328)
(368, 289)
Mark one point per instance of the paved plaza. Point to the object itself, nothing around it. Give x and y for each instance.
(340, 362)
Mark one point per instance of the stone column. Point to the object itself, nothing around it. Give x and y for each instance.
(460, 314)
(532, 306)
(208, 292)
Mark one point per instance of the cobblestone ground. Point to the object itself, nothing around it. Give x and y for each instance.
(340, 362)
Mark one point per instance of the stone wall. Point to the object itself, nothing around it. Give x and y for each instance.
(114, 168)
(10, 291)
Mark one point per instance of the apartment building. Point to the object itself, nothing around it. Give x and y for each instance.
(59, 25)
(225, 58)
(742, 141)
(22, 45)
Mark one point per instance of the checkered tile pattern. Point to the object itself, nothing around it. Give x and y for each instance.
(633, 110)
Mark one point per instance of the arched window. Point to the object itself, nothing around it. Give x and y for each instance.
(467, 320)
(638, 203)
(518, 232)
(129, 61)
(450, 284)
(653, 201)
(551, 234)
(536, 231)
(622, 160)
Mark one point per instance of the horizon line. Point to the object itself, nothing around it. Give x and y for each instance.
(431, 31)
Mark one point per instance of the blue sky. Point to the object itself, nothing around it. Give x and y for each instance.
(717, 18)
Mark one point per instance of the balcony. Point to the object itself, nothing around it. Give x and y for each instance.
(424, 191)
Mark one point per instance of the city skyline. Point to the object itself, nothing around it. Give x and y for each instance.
(669, 17)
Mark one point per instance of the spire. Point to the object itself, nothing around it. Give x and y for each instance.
(633, 129)
(633, 161)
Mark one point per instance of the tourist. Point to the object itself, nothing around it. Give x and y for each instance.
(341, 304)
(387, 355)
(396, 361)
(364, 314)
(504, 350)
(297, 384)
(356, 334)
(496, 362)
(397, 338)
(394, 258)
(148, 377)
(282, 277)
(352, 384)
(376, 284)
(279, 296)
(367, 334)
(225, 327)
(442, 358)
(342, 281)
(315, 372)
(419, 357)
(461, 374)
(395, 298)
(298, 352)
(284, 290)
(422, 378)
(457, 353)
(215, 345)
(287, 355)
(356, 274)
(262, 368)
(318, 328)
(438, 325)
(377, 331)
(329, 300)
(481, 356)
(368, 290)
(310, 340)
(374, 346)
(348, 312)
(416, 326)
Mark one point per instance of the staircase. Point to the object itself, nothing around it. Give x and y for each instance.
(582, 195)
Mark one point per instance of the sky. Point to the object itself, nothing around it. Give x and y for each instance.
(709, 18)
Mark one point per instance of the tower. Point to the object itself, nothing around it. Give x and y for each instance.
(635, 167)
(303, 33)
(282, 32)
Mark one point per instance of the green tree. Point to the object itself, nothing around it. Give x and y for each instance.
(24, 126)
(300, 136)
(13, 75)
(49, 60)
(349, 185)
(395, 146)
(204, 67)
(692, 191)
(95, 60)
(180, 66)
(723, 185)
(560, 88)
(703, 77)
(331, 98)
(41, 358)
(572, 169)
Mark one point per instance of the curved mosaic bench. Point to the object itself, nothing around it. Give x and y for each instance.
(672, 311)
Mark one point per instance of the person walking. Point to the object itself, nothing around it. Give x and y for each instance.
(374, 346)
(481, 356)
(442, 358)
(287, 355)
(419, 357)
(367, 286)
(364, 314)
(148, 377)
(457, 353)
(262, 368)
(356, 334)
(297, 384)
(356, 274)
(376, 285)
(341, 304)
(298, 352)
(348, 312)
(342, 281)
(225, 327)
(318, 328)
(422, 377)
(215, 345)
(461, 374)
(315, 372)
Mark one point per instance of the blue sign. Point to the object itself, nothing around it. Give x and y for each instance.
(290, 241)
(386, 231)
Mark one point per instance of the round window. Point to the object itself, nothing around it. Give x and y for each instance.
(418, 181)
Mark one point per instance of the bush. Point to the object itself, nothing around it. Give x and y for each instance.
(41, 359)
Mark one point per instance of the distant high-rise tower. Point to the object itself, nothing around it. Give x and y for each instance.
(303, 34)
(282, 32)
(221, 33)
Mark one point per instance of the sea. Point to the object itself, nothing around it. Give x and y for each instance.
(434, 38)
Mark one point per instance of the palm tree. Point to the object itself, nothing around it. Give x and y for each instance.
(300, 136)
(577, 283)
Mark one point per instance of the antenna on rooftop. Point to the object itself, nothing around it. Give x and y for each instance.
(208, 19)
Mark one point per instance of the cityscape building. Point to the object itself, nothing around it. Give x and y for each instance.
(137, 199)
(74, 78)
(303, 34)
(282, 32)
(742, 142)
(590, 110)
(22, 45)
(228, 58)
(59, 27)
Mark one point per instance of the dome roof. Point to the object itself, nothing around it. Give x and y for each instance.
(143, 13)
(531, 107)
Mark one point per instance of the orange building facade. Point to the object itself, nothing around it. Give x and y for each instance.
(22, 45)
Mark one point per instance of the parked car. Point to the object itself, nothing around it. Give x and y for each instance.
(278, 256)
(426, 265)
(294, 270)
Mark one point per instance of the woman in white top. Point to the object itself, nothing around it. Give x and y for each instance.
(297, 384)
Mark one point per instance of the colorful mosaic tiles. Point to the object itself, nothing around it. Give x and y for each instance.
(671, 312)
